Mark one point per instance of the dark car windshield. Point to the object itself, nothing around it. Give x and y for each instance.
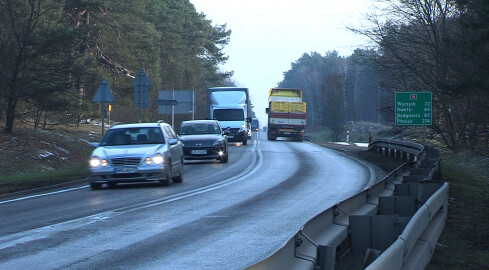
(128, 136)
(199, 128)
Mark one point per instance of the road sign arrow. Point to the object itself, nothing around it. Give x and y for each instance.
(166, 102)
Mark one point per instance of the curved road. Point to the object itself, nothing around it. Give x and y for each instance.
(223, 216)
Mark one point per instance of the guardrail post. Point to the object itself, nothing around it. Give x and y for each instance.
(370, 256)
(326, 257)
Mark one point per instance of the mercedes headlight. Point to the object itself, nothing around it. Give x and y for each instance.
(158, 159)
(96, 161)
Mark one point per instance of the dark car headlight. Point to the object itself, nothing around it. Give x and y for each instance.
(217, 143)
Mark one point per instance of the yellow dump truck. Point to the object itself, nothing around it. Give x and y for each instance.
(286, 114)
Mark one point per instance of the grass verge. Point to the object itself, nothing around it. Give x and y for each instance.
(31, 180)
(464, 243)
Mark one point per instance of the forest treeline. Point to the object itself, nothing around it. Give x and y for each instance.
(54, 54)
(418, 46)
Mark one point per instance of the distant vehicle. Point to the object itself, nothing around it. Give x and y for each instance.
(286, 114)
(255, 124)
(144, 152)
(204, 139)
(230, 106)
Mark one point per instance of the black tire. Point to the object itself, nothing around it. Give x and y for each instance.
(166, 182)
(179, 178)
(112, 185)
(225, 158)
(245, 141)
(95, 186)
(272, 138)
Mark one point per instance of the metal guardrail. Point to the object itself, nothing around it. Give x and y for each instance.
(397, 149)
(395, 222)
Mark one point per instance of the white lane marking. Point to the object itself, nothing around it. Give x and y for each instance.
(85, 186)
(44, 232)
(43, 194)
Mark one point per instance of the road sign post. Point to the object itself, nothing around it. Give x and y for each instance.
(413, 108)
(103, 95)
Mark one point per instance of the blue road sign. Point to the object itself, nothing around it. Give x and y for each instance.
(141, 79)
(141, 93)
(103, 93)
(141, 90)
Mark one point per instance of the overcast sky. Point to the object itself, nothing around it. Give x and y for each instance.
(268, 35)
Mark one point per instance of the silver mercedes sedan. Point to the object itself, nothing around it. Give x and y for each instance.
(144, 152)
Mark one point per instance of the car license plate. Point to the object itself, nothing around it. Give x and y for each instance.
(126, 170)
(198, 152)
(230, 136)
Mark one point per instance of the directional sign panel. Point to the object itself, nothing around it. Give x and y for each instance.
(413, 108)
(184, 99)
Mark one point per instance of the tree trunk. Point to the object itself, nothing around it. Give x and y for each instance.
(9, 122)
(45, 120)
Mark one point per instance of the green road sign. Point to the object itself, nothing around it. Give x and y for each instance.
(413, 108)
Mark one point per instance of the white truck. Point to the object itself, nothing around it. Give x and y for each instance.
(230, 106)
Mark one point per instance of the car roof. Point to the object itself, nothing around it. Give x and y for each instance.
(200, 122)
(138, 125)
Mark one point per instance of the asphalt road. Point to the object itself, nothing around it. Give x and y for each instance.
(223, 216)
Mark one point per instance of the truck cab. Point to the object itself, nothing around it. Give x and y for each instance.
(286, 114)
(255, 124)
(229, 105)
